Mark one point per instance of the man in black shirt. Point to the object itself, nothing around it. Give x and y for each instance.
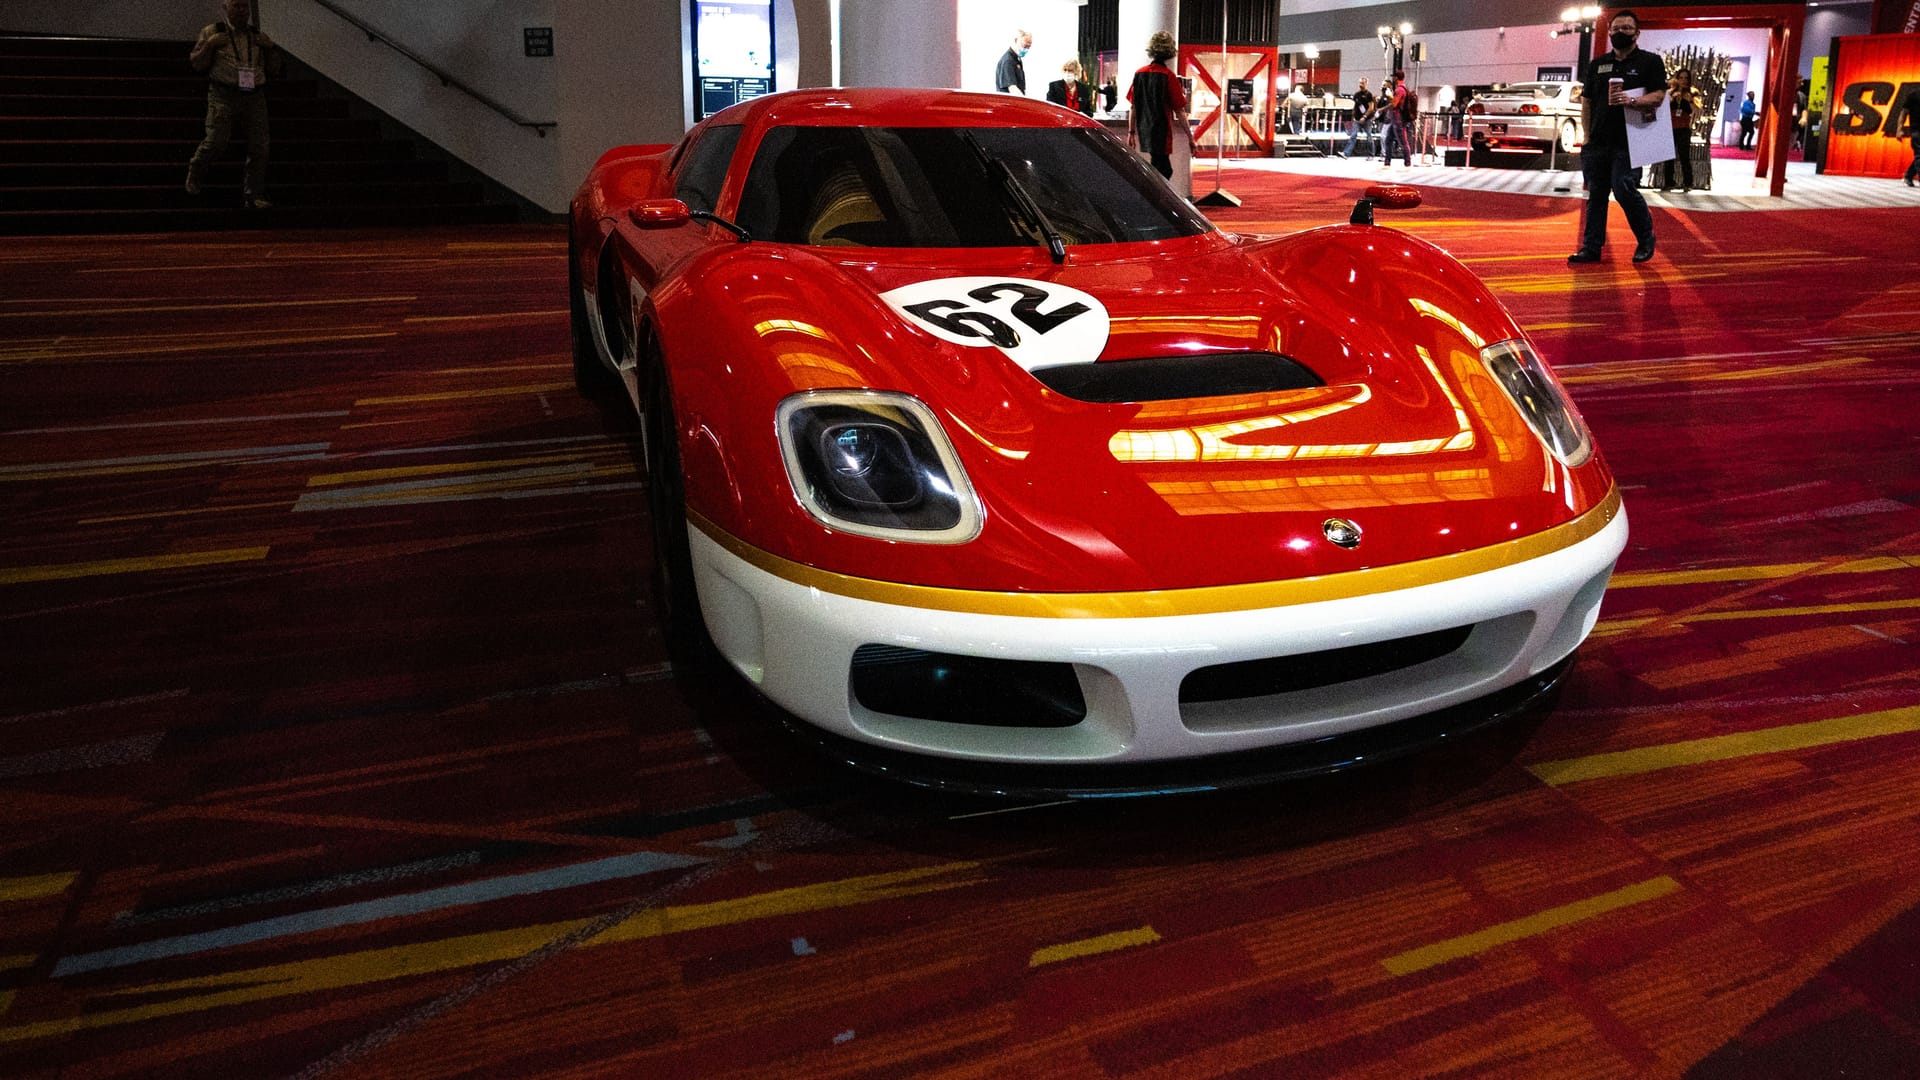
(1626, 78)
(1011, 75)
(1362, 115)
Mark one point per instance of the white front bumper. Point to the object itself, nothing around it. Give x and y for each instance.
(796, 641)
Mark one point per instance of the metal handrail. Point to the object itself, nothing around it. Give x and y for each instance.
(376, 35)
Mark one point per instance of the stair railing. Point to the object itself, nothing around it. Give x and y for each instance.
(376, 35)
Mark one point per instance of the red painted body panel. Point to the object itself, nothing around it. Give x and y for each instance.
(1410, 439)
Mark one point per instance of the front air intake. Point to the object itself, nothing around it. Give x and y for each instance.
(973, 690)
(1309, 671)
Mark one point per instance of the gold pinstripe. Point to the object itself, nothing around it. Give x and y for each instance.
(1202, 601)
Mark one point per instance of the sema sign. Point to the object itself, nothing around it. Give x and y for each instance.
(1876, 95)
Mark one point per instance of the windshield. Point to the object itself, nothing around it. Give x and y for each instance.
(926, 187)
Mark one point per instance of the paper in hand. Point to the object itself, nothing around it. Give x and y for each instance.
(1649, 142)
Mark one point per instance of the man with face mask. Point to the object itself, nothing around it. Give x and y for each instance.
(1629, 77)
(1011, 76)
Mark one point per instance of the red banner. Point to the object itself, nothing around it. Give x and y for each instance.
(1876, 95)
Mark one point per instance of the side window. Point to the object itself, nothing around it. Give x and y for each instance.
(703, 167)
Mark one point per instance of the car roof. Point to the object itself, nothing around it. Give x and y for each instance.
(898, 107)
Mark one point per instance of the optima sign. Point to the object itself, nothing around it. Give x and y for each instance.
(1877, 94)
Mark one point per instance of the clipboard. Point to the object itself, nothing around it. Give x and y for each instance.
(1649, 142)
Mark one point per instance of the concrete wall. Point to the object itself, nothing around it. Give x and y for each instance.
(478, 42)
(624, 80)
(902, 43)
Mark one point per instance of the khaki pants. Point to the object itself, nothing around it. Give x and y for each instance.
(226, 108)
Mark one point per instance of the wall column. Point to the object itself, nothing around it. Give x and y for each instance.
(623, 80)
(1139, 19)
(900, 43)
(813, 26)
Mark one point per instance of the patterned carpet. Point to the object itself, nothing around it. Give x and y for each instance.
(337, 737)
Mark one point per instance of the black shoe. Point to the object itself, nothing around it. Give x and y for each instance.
(1584, 255)
(1643, 252)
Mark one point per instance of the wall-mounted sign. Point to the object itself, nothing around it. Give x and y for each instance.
(732, 53)
(1240, 97)
(539, 40)
(1876, 89)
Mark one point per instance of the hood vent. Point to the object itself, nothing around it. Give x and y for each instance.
(1173, 378)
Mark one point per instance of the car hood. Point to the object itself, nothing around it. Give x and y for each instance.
(1210, 472)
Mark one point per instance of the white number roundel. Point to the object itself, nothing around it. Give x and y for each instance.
(1037, 324)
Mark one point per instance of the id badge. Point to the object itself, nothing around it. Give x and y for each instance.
(249, 79)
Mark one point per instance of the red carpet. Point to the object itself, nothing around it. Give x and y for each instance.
(338, 740)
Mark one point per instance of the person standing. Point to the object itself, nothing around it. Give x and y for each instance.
(1297, 110)
(1680, 88)
(1073, 91)
(1158, 105)
(1749, 119)
(1629, 77)
(1913, 137)
(1394, 108)
(1800, 95)
(1362, 116)
(1011, 75)
(233, 56)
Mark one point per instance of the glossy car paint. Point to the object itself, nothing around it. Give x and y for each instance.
(1409, 439)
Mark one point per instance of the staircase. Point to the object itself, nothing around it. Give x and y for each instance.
(95, 134)
(1286, 144)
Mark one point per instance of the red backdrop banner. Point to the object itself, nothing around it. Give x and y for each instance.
(1876, 93)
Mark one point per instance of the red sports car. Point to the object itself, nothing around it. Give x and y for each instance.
(979, 450)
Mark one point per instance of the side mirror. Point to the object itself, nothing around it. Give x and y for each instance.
(1394, 196)
(1390, 196)
(667, 213)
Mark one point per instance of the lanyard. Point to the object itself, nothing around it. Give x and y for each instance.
(253, 50)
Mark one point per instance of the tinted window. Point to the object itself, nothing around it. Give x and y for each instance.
(928, 187)
(703, 168)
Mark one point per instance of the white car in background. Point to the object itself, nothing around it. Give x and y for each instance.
(1528, 114)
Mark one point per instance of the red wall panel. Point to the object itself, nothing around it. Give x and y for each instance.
(1876, 84)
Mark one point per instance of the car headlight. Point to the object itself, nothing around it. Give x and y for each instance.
(1540, 399)
(876, 464)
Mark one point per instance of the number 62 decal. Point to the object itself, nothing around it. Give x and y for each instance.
(1035, 323)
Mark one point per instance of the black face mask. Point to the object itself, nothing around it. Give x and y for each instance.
(1622, 41)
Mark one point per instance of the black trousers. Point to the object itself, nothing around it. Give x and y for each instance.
(1680, 169)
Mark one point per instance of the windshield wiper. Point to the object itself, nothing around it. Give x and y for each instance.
(708, 215)
(1056, 244)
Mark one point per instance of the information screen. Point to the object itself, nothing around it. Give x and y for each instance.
(732, 53)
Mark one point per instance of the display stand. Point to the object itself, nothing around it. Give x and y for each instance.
(1220, 196)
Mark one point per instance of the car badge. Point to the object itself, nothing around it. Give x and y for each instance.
(1342, 532)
